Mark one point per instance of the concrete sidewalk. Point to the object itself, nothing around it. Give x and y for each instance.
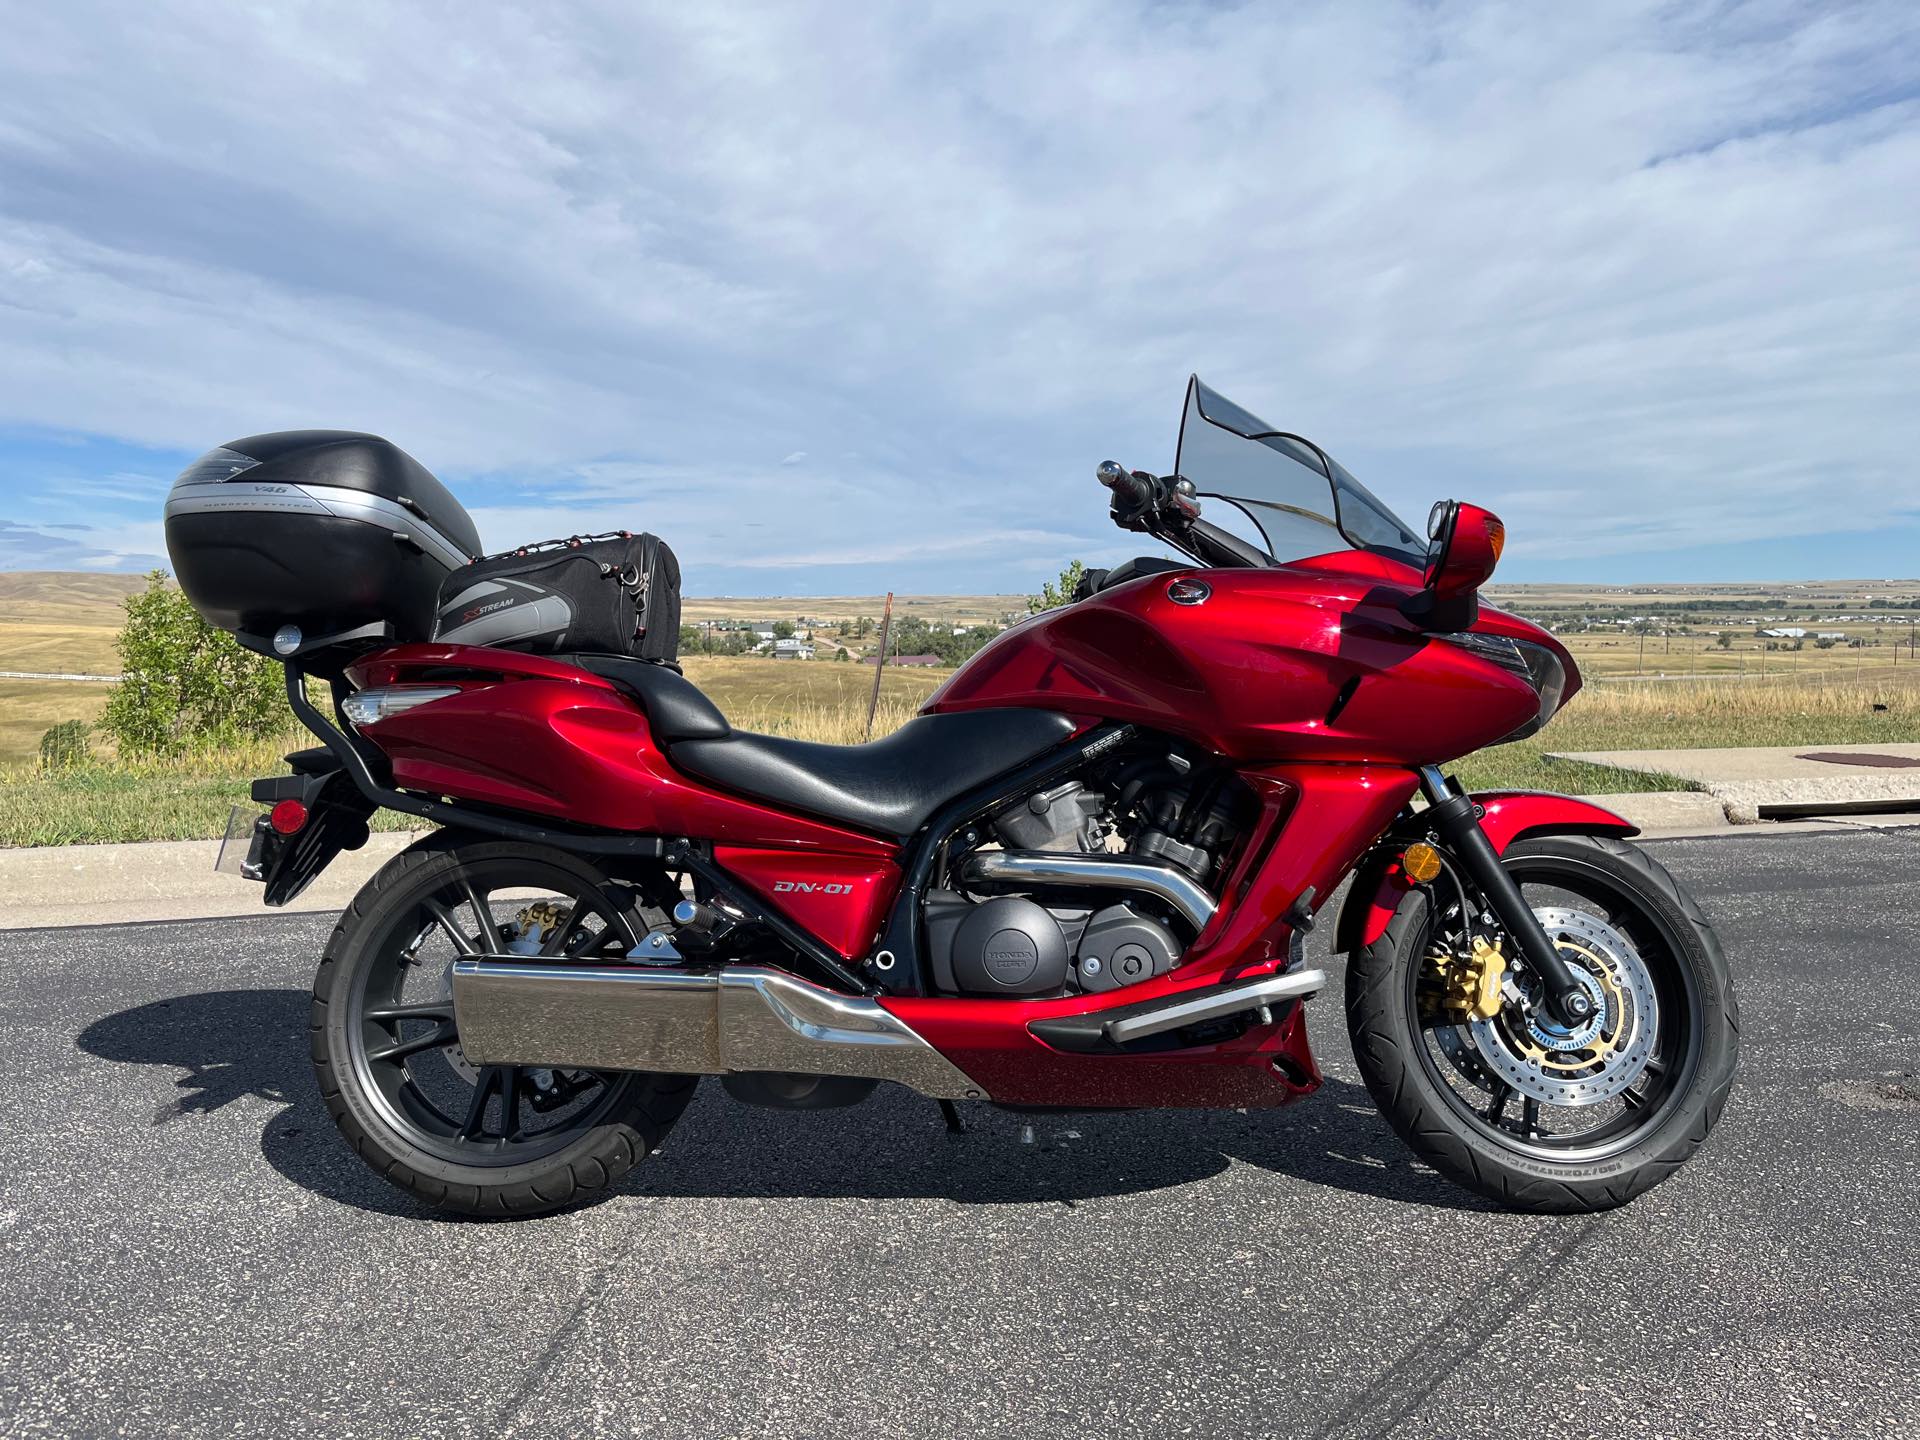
(160, 880)
(1787, 781)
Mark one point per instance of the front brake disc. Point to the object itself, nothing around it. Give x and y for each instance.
(1597, 1061)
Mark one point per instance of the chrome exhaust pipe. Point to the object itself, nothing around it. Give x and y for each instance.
(686, 1022)
(1106, 872)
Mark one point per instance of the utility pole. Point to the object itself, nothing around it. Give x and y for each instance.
(886, 624)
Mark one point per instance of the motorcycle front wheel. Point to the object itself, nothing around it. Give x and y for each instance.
(482, 1140)
(1475, 1076)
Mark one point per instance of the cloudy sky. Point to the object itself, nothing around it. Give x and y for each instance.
(855, 298)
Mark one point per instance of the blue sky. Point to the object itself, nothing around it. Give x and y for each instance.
(849, 298)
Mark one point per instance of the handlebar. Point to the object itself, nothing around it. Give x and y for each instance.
(1135, 489)
(1140, 499)
(1165, 506)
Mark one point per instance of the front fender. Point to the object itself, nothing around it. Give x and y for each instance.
(1507, 815)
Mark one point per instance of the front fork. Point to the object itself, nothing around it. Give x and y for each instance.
(1456, 820)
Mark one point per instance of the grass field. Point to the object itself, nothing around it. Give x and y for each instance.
(1624, 715)
(63, 622)
(28, 708)
(56, 620)
(953, 609)
(189, 798)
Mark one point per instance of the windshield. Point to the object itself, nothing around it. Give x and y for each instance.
(1300, 500)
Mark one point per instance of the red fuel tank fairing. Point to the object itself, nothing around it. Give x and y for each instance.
(1305, 662)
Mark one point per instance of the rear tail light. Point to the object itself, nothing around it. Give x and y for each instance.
(370, 707)
(288, 816)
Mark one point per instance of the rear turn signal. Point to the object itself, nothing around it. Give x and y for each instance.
(287, 817)
(1421, 863)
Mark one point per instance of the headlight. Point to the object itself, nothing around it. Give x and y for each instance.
(1535, 664)
(370, 707)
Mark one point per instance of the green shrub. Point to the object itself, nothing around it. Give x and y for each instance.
(184, 683)
(1054, 594)
(65, 745)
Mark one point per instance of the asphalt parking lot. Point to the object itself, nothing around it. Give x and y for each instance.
(190, 1248)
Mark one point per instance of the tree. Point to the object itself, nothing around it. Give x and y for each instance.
(1724, 639)
(65, 746)
(184, 682)
(1053, 594)
(783, 629)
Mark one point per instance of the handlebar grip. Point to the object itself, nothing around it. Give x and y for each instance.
(1135, 490)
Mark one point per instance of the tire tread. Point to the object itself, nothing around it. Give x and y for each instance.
(1393, 1075)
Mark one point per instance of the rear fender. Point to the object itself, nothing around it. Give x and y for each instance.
(1379, 885)
(336, 820)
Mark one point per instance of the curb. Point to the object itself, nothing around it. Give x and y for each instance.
(1668, 814)
(63, 885)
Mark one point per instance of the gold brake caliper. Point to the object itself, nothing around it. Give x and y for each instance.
(1464, 987)
(537, 921)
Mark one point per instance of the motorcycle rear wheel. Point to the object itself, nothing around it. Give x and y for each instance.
(1458, 1113)
(493, 1140)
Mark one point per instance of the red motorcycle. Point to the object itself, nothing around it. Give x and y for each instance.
(1081, 877)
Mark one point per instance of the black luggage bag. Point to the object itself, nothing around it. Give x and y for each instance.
(612, 594)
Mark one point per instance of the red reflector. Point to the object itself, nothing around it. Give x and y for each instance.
(288, 816)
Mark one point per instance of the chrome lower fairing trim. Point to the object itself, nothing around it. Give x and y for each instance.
(1218, 1004)
(1105, 872)
(739, 1018)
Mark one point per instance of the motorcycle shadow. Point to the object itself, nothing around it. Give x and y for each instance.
(235, 1044)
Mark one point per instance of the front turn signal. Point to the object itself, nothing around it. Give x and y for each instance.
(1421, 863)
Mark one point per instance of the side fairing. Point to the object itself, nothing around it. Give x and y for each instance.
(1292, 663)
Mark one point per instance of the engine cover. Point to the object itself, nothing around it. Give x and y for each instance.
(1123, 947)
(1009, 946)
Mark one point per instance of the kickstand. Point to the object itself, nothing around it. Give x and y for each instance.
(955, 1125)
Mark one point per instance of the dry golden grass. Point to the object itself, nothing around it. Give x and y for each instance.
(757, 693)
(825, 701)
(52, 620)
(29, 708)
(67, 622)
(955, 609)
(188, 797)
(71, 597)
(1684, 715)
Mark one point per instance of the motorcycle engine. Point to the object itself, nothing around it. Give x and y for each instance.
(1022, 946)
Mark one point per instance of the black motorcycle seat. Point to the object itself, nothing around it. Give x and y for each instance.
(888, 787)
(676, 710)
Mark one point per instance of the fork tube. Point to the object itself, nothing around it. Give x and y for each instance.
(1456, 819)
